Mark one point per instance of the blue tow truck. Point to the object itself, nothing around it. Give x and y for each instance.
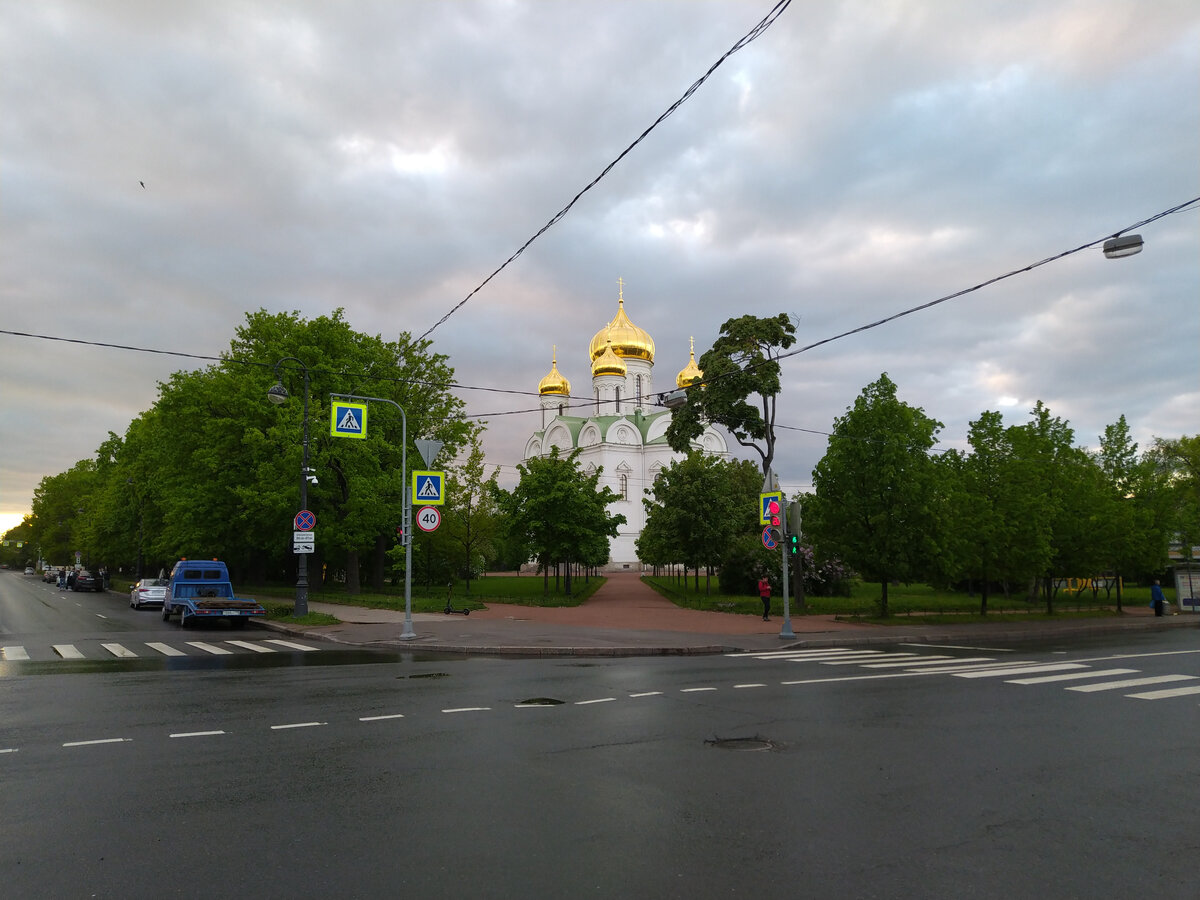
(200, 590)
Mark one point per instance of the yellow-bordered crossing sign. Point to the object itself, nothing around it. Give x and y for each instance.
(347, 419)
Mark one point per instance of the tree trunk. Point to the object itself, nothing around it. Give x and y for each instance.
(379, 563)
(883, 599)
(353, 583)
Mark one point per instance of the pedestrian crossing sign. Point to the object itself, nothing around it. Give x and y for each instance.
(427, 488)
(347, 419)
(764, 506)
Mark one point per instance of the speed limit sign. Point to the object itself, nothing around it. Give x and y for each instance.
(428, 518)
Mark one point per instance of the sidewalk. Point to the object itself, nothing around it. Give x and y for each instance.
(627, 618)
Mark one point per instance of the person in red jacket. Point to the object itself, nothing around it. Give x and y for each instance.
(764, 592)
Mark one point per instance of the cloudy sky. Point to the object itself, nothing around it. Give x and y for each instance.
(857, 159)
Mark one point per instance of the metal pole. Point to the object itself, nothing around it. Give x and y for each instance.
(406, 514)
(786, 632)
(301, 606)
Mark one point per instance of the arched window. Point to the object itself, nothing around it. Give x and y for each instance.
(624, 487)
(560, 409)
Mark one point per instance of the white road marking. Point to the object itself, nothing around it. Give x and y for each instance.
(864, 677)
(188, 734)
(881, 657)
(13, 653)
(380, 718)
(98, 616)
(1072, 676)
(298, 725)
(68, 651)
(1168, 692)
(165, 649)
(749, 685)
(209, 648)
(958, 647)
(101, 741)
(8, 749)
(1018, 670)
(768, 654)
(467, 709)
(120, 651)
(695, 690)
(647, 694)
(1128, 683)
(250, 645)
(597, 700)
(291, 645)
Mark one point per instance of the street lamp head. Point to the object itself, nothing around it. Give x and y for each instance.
(278, 394)
(1122, 245)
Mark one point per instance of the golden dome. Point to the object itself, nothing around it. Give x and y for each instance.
(554, 383)
(691, 372)
(608, 363)
(628, 341)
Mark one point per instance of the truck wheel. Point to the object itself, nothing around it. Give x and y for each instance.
(183, 619)
(166, 613)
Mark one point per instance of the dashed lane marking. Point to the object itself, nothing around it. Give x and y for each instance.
(192, 734)
(1018, 670)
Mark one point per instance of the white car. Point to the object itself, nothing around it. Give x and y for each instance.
(29, 570)
(148, 592)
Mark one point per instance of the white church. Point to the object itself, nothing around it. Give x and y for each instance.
(618, 428)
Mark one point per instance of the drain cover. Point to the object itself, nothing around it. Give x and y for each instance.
(540, 701)
(754, 743)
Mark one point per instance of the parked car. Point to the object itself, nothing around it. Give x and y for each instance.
(148, 592)
(50, 575)
(86, 581)
(29, 570)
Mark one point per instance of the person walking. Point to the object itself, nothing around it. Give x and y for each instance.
(764, 593)
(62, 578)
(1157, 600)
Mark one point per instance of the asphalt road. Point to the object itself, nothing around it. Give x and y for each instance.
(812, 775)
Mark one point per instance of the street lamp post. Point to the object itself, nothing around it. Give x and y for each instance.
(278, 394)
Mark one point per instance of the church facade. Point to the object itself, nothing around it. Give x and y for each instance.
(618, 429)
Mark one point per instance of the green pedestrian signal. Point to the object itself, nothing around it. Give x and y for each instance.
(794, 544)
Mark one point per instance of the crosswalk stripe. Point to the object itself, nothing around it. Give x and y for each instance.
(165, 649)
(881, 657)
(1071, 676)
(14, 653)
(930, 661)
(1168, 692)
(209, 648)
(257, 648)
(68, 651)
(1018, 664)
(289, 644)
(120, 651)
(1019, 670)
(1128, 683)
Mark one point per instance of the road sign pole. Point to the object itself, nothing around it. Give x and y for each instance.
(407, 634)
(786, 632)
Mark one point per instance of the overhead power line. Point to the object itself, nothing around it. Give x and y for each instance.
(745, 39)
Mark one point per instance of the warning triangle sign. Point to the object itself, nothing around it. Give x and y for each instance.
(349, 422)
(427, 490)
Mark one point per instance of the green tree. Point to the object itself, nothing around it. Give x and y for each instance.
(743, 362)
(874, 498)
(471, 519)
(1177, 464)
(698, 505)
(560, 513)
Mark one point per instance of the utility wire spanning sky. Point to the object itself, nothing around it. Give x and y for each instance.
(854, 160)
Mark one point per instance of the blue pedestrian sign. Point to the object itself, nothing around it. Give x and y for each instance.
(347, 419)
(764, 506)
(427, 488)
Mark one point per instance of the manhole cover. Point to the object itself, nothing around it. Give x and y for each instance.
(540, 701)
(754, 743)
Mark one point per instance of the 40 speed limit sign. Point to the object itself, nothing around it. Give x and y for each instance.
(428, 518)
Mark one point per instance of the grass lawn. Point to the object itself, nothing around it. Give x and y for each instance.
(910, 603)
(525, 590)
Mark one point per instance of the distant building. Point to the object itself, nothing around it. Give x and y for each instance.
(618, 429)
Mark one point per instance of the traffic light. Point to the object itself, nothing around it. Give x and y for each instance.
(794, 544)
(776, 524)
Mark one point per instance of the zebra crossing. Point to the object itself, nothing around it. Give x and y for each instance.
(1078, 677)
(150, 650)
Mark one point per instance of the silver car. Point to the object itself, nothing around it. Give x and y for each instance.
(148, 592)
